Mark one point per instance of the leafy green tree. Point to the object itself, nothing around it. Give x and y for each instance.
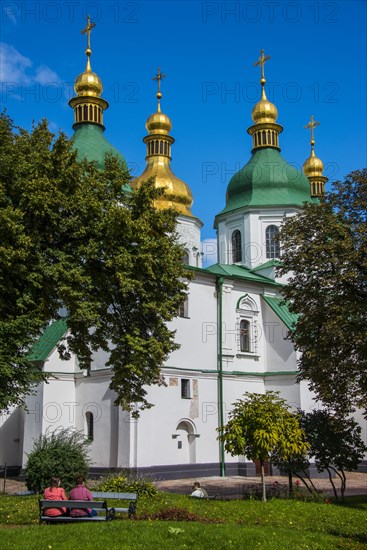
(262, 426)
(72, 238)
(335, 444)
(62, 454)
(324, 249)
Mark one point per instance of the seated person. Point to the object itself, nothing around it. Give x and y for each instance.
(80, 492)
(198, 491)
(54, 492)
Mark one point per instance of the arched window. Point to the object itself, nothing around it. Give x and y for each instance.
(186, 258)
(236, 246)
(272, 242)
(89, 426)
(245, 336)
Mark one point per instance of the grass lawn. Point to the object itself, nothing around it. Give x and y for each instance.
(248, 524)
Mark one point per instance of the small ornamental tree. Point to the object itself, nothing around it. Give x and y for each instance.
(259, 427)
(335, 444)
(62, 454)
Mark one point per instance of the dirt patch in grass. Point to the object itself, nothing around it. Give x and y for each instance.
(177, 514)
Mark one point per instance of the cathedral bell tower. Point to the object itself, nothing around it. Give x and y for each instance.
(177, 193)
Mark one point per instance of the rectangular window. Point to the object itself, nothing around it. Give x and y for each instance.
(185, 388)
(245, 336)
(184, 308)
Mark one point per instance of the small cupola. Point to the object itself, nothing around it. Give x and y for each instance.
(313, 167)
(265, 131)
(88, 104)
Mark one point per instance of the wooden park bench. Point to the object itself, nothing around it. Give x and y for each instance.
(80, 504)
(132, 498)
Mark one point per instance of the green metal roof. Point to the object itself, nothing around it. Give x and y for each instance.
(91, 144)
(266, 180)
(238, 271)
(48, 341)
(280, 308)
(270, 263)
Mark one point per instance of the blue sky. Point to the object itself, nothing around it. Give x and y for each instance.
(207, 49)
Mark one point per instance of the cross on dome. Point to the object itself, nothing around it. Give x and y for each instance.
(261, 61)
(312, 125)
(87, 31)
(158, 77)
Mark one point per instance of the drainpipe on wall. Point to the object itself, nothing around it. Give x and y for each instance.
(220, 281)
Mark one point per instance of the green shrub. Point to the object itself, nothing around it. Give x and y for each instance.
(62, 454)
(128, 481)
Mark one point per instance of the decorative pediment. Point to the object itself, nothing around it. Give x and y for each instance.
(246, 303)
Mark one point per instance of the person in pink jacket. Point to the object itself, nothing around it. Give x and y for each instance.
(54, 492)
(80, 492)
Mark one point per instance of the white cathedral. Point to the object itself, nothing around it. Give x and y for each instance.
(231, 329)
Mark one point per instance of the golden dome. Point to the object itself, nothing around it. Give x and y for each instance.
(264, 110)
(88, 83)
(177, 193)
(313, 166)
(158, 123)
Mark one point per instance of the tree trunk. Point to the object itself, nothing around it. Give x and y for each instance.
(343, 481)
(310, 481)
(263, 480)
(344, 484)
(290, 483)
(332, 484)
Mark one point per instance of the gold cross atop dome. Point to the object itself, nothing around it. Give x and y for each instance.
(157, 78)
(312, 125)
(87, 31)
(88, 85)
(261, 61)
(264, 112)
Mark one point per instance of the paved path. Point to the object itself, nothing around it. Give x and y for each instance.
(227, 487)
(232, 487)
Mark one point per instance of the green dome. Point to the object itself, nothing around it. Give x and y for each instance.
(91, 144)
(267, 180)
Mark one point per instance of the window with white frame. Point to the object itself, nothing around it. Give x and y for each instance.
(244, 335)
(247, 312)
(236, 246)
(185, 388)
(272, 242)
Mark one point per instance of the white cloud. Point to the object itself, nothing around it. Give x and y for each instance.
(17, 69)
(45, 75)
(210, 252)
(13, 65)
